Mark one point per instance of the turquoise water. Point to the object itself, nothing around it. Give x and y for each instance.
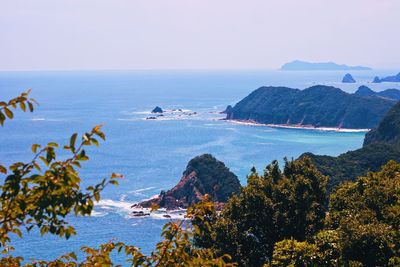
(152, 154)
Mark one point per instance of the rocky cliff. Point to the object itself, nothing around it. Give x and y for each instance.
(203, 175)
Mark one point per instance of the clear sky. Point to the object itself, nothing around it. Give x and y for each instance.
(196, 34)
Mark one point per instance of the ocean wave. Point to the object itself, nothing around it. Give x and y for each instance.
(98, 213)
(125, 209)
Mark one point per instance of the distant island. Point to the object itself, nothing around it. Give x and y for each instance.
(348, 78)
(317, 106)
(393, 79)
(303, 65)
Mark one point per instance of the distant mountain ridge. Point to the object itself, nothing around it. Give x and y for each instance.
(304, 65)
(317, 106)
(394, 79)
(388, 93)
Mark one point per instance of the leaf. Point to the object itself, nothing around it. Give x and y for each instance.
(52, 144)
(3, 169)
(8, 112)
(30, 105)
(116, 175)
(35, 147)
(23, 106)
(2, 118)
(73, 140)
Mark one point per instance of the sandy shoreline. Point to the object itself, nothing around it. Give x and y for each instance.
(301, 127)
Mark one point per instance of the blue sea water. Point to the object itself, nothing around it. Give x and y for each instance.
(152, 154)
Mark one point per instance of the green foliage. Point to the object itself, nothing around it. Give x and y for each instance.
(352, 164)
(388, 130)
(290, 252)
(272, 207)
(366, 214)
(42, 192)
(21, 102)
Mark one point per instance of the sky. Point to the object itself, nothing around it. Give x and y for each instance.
(196, 34)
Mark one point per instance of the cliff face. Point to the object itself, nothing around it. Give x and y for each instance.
(203, 175)
(319, 106)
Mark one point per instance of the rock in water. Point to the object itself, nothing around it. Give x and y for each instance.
(157, 110)
(348, 79)
(227, 110)
(203, 175)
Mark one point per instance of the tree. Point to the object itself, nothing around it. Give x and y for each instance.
(366, 214)
(272, 207)
(41, 193)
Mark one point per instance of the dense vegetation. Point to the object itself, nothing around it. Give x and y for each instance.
(380, 145)
(388, 93)
(272, 207)
(350, 165)
(388, 130)
(319, 106)
(281, 219)
(203, 175)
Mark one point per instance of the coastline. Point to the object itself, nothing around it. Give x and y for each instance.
(298, 127)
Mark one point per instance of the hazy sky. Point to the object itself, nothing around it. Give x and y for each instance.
(201, 34)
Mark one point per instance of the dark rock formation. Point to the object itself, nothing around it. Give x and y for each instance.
(394, 79)
(157, 110)
(348, 79)
(303, 65)
(203, 175)
(227, 110)
(393, 94)
(318, 106)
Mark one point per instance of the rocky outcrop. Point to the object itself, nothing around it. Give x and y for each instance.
(393, 79)
(203, 175)
(348, 79)
(317, 106)
(157, 109)
(227, 110)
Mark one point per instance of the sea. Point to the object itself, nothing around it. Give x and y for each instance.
(153, 153)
